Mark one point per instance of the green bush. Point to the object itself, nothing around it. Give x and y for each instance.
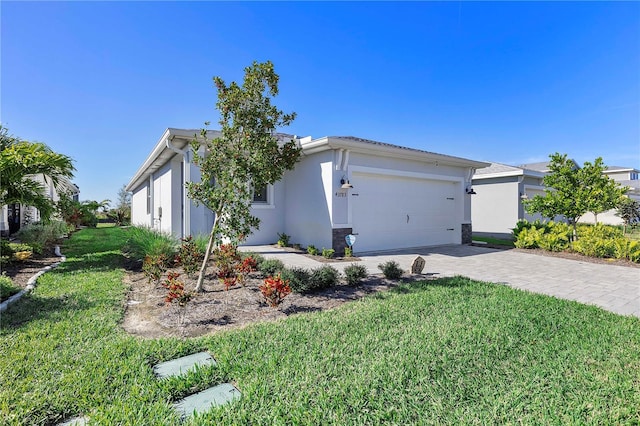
(189, 255)
(354, 273)
(323, 277)
(524, 224)
(40, 235)
(599, 231)
(6, 248)
(312, 250)
(391, 270)
(144, 241)
(529, 238)
(595, 247)
(283, 240)
(7, 288)
(348, 252)
(556, 237)
(327, 253)
(299, 279)
(270, 267)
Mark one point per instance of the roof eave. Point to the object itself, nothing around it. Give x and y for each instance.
(326, 143)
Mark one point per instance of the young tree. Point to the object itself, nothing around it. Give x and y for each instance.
(629, 211)
(19, 162)
(601, 192)
(246, 155)
(572, 191)
(122, 212)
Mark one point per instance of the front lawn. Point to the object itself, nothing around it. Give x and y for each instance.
(448, 351)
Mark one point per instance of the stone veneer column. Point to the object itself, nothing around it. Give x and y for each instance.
(466, 233)
(338, 242)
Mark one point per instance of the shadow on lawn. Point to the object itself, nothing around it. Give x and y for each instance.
(33, 308)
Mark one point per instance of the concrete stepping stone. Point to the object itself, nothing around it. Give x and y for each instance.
(179, 366)
(76, 421)
(205, 400)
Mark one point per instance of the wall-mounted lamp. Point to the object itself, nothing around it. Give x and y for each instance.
(470, 191)
(345, 184)
(524, 196)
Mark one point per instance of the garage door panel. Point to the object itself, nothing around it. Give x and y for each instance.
(394, 212)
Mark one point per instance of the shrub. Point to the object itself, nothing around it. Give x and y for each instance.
(323, 277)
(270, 266)
(283, 240)
(529, 238)
(354, 273)
(299, 279)
(312, 250)
(154, 266)
(40, 235)
(189, 255)
(348, 252)
(523, 224)
(595, 247)
(144, 241)
(176, 293)
(7, 288)
(599, 231)
(274, 290)
(391, 270)
(327, 253)
(258, 258)
(557, 237)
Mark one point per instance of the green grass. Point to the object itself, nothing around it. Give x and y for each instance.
(495, 241)
(633, 233)
(449, 351)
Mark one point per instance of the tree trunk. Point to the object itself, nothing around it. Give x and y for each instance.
(207, 255)
(575, 230)
(595, 215)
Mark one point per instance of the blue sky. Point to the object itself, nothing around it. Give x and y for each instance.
(510, 82)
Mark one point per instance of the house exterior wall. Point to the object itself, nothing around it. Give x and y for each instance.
(161, 208)
(307, 217)
(271, 216)
(496, 206)
(139, 215)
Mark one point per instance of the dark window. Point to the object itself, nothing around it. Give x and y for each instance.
(148, 199)
(260, 195)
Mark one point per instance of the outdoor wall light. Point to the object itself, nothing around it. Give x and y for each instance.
(524, 196)
(470, 191)
(345, 184)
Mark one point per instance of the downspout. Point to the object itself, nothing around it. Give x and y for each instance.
(151, 202)
(186, 202)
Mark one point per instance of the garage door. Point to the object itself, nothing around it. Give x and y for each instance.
(391, 212)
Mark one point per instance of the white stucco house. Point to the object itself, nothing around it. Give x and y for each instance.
(625, 176)
(13, 216)
(498, 203)
(389, 196)
(500, 191)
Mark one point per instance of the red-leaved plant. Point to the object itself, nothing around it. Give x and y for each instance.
(274, 290)
(231, 268)
(176, 293)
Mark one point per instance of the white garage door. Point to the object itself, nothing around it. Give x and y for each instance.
(391, 212)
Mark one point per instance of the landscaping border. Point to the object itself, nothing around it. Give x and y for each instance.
(31, 284)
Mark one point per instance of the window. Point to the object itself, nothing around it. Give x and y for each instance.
(260, 195)
(634, 176)
(148, 199)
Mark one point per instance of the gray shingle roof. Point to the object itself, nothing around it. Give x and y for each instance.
(357, 139)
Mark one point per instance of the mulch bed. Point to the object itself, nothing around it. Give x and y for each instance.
(21, 271)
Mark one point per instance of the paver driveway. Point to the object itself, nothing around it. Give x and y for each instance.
(615, 288)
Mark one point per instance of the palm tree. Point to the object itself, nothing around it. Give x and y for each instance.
(20, 161)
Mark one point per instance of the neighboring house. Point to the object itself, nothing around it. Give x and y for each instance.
(389, 196)
(625, 176)
(14, 216)
(500, 190)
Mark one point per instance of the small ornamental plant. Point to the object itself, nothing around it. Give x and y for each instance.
(175, 287)
(189, 256)
(274, 290)
(348, 252)
(154, 266)
(176, 294)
